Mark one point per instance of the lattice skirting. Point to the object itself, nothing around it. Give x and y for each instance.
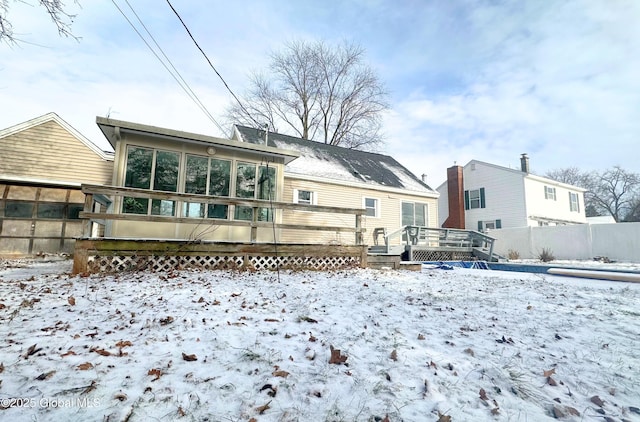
(422, 255)
(119, 263)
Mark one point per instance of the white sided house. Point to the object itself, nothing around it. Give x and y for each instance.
(483, 196)
(43, 162)
(331, 175)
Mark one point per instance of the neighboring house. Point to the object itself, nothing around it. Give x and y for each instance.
(332, 175)
(43, 162)
(601, 219)
(257, 165)
(482, 196)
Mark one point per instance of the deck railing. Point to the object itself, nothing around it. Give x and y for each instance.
(105, 194)
(436, 238)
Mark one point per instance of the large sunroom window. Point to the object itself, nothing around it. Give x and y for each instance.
(254, 182)
(155, 170)
(205, 176)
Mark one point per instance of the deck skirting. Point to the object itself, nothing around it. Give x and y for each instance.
(108, 255)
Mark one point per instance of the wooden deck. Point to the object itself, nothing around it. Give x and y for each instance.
(121, 253)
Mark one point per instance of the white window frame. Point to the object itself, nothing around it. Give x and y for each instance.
(475, 199)
(375, 208)
(296, 197)
(574, 202)
(549, 192)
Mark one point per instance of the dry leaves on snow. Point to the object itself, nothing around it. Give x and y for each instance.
(336, 356)
(189, 358)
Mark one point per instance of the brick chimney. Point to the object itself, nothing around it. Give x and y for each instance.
(524, 163)
(455, 191)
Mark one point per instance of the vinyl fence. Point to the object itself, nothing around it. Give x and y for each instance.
(618, 242)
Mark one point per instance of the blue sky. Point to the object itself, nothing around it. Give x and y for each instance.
(486, 80)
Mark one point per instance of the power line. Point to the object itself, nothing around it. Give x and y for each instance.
(211, 64)
(183, 84)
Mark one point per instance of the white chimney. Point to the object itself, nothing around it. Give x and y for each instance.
(424, 178)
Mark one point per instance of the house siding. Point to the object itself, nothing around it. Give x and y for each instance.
(49, 152)
(335, 194)
(539, 206)
(504, 195)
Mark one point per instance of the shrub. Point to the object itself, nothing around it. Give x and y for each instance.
(511, 254)
(546, 255)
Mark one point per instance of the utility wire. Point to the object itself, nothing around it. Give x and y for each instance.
(193, 94)
(183, 84)
(211, 64)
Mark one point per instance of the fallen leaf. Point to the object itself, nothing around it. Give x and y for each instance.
(483, 394)
(495, 411)
(420, 337)
(71, 300)
(45, 376)
(394, 355)
(336, 357)
(85, 366)
(167, 320)
(280, 373)
(32, 350)
(549, 372)
(122, 344)
(263, 408)
(1, 368)
(102, 352)
(469, 351)
(156, 372)
(189, 358)
(551, 382)
(67, 353)
(386, 419)
(443, 418)
(597, 401)
(120, 396)
(271, 320)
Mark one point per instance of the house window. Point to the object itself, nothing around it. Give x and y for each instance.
(549, 193)
(483, 226)
(414, 214)
(305, 197)
(255, 182)
(51, 210)
(474, 198)
(155, 170)
(202, 176)
(371, 205)
(574, 202)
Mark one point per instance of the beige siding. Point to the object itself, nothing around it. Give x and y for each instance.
(48, 152)
(350, 197)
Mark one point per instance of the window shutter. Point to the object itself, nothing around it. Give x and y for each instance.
(546, 194)
(482, 202)
(479, 225)
(466, 200)
(498, 224)
(314, 198)
(295, 196)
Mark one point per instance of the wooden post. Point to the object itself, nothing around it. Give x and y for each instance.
(88, 207)
(254, 227)
(359, 239)
(80, 257)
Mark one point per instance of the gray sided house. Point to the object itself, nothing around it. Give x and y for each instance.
(43, 162)
(331, 175)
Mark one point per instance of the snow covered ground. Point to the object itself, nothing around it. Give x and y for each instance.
(436, 345)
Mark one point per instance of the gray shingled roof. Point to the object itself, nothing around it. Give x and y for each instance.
(337, 163)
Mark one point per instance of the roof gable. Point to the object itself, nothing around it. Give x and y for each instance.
(337, 163)
(53, 117)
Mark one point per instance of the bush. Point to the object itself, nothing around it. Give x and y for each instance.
(513, 254)
(546, 255)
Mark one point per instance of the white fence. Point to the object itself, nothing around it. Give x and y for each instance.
(619, 242)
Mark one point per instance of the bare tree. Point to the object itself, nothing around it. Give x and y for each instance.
(317, 92)
(56, 10)
(616, 191)
(583, 179)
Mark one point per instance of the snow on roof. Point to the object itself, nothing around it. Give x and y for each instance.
(337, 163)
